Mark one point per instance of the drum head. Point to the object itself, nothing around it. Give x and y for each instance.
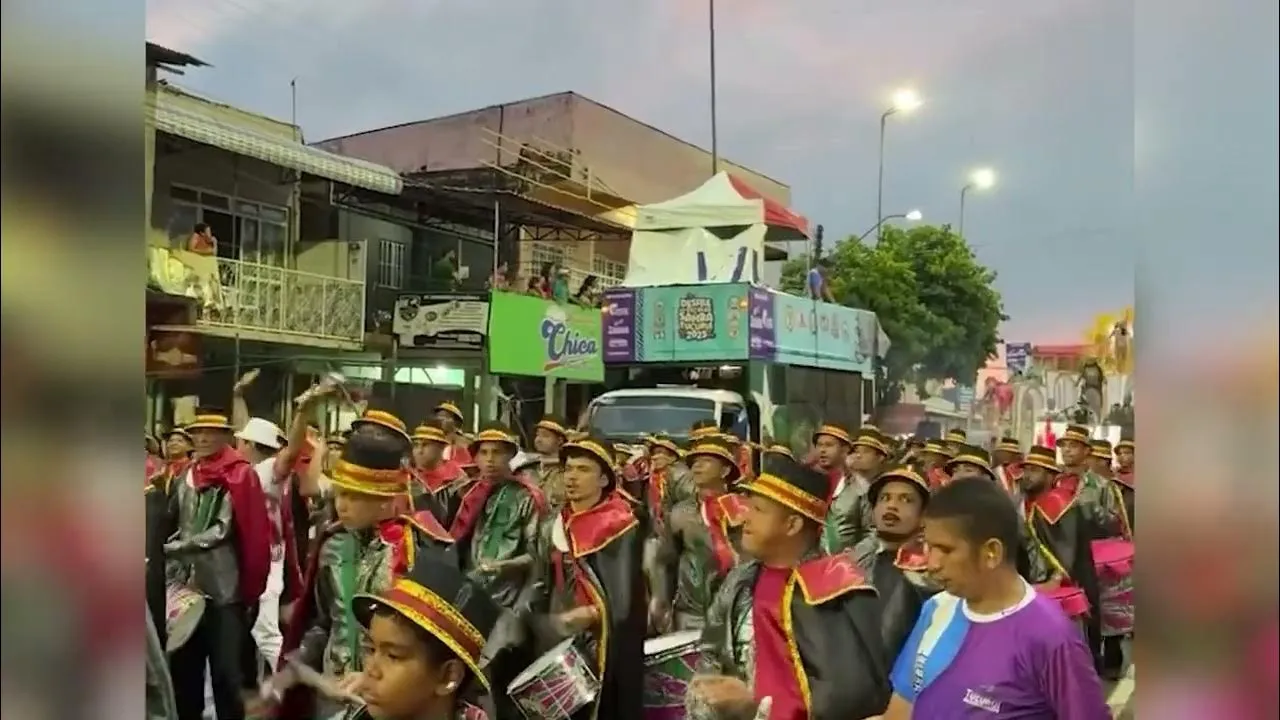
(182, 625)
(549, 659)
(672, 641)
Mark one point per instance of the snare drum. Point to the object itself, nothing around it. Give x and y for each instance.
(1113, 560)
(1073, 602)
(183, 609)
(669, 665)
(556, 685)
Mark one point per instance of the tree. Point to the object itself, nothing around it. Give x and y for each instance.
(937, 304)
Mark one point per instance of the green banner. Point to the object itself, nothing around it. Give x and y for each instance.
(540, 338)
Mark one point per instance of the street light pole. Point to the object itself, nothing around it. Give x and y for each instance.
(905, 100)
(913, 216)
(711, 36)
(980, 179)
(884, 121)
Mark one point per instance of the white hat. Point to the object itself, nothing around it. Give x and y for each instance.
(523, 460)
(261, 431)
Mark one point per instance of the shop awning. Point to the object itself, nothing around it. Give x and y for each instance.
(190, 122)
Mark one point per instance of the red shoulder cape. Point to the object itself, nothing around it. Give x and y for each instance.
(828, 577)
(249, 513)
(591, 530)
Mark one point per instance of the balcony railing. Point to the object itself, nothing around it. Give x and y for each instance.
(240, 295)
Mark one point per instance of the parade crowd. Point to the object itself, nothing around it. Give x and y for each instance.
(392, 572)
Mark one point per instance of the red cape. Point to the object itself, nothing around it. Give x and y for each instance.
(229, 470)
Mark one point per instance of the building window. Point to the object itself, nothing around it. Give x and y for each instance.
(390, 264)
(541, 255)
(610, 271)
(245, 230)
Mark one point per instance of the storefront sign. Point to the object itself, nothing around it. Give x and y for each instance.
(531, 336)
(442, 321)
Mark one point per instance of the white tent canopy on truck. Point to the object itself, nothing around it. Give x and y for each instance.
(714, 234)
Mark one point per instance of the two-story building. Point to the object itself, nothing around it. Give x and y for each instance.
(551, 181)
(233, 281)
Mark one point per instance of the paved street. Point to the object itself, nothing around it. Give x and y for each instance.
(1119, 693)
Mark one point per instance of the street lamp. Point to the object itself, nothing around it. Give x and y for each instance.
(905, 100)
(910, 216)
(980, 179)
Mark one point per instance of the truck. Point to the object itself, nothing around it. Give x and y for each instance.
(768, 367)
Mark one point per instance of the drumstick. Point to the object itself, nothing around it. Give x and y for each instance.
(312, 678)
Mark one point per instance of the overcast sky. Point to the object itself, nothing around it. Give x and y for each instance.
(1040, 91)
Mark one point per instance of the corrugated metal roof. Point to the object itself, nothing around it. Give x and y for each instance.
(190, 122)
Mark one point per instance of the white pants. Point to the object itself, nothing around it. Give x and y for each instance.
(266, 630)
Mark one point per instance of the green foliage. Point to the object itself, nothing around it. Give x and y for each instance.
(937, 304)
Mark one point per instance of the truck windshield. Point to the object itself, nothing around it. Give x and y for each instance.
(628, 419)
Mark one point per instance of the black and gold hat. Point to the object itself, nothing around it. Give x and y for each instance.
(371, 465)
(450, 409)
(832, 430)
(553, 425)
(718, 447)
(972, 455)
(664, 441)
(600, 450)
(1074, 433)
(382, 419)
(900, 473)
(494, 433)
(937, 447)
(438, 598)
(430, 431)
(1009, 444)
(871, 437)
(1101, 449)
(703, 429)
(209, 419)
(180, 432)
(1125, 442)
(1041, 456)
(778, 449)
(955, 435)
(796, 486)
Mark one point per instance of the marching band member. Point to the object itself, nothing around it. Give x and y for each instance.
(1124, 476)
(178, 449)
(548, 437)
(497, 517)
(971, 461)
(426, 632)
(697, 544)
(1008, 464)
(831, 447)
(989, 645)
(670, 480)
(849, 518)
(894, 557)
(954, 438)
(589, 582)
(370, 544)
(1093, 491)
(451, 419)
(934, 457)
(434, 479)
(791, 624)
(1058, 537)
(1101, 457)
(222, 547)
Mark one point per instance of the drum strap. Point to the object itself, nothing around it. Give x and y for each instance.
(348, 589)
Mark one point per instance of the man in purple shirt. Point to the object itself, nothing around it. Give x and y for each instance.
(989, 646)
